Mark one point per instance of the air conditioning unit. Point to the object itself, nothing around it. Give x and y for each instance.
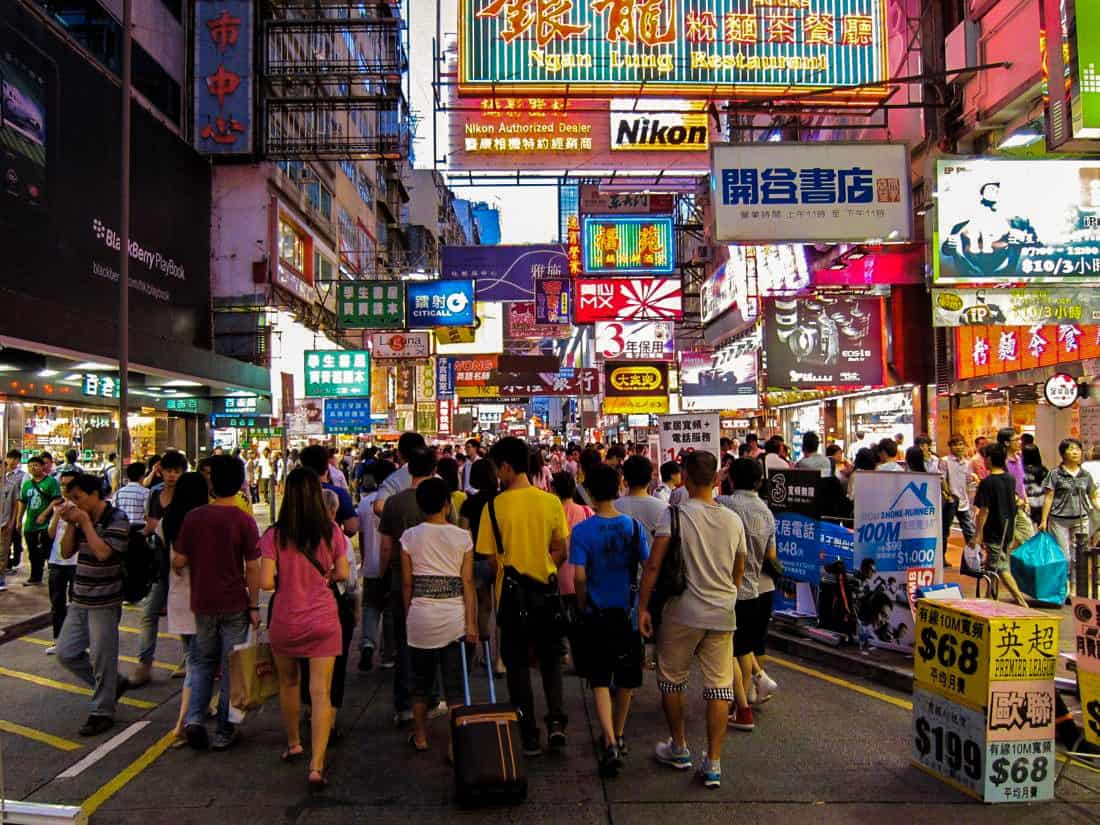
(962, 51)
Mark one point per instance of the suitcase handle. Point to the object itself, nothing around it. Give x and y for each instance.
(466, 675)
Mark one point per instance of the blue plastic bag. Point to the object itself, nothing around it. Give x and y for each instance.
(1040, 569)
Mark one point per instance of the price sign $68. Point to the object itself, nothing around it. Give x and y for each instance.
(1019, 770)
(946, 649)
(949, 748)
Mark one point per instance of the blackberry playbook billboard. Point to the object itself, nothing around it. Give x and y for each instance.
(65, 250)
(824, 341)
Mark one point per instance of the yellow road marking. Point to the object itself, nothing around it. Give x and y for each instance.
(116, 784)
(133, 660)
(883, 697)
(42, 681)
(171, 636)
(39, 736)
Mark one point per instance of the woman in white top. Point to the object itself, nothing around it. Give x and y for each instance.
(192, 490)
(437, 564)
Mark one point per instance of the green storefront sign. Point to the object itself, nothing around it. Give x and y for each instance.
(182, 404)
(661, 47)
(371, 304)
(337, 373)
(1086, 77)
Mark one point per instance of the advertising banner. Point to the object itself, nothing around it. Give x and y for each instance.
(722, 380)
(1085, 89)
(445, 379)
(875, 269)
(994, 350)
(635, 340)
(628, 299)
(520, 323)
(439, 304)
(701, 433)
(897, 521)
(337, 373)
(552, 300)
(635, 387)
(811, 192)
(554, 133)
(730, 48)
(504, 273)
(400, 344)
(1014, 307)
(347, 415)
(474, 371)
(223, 76)
(625, 244)
(942, 727)
(595, 202)
(524, 385)
(371, 305)
(792, 491)
(994, 225)
(824, 341)
(488, 334)
(380, 389)
(753, 272)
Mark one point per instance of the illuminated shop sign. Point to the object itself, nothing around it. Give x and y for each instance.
(628, 299)
(659, 47)
(622, 244)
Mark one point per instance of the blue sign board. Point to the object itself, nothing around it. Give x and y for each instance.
(439, 304)
(223, 76)
(444, 378)
(347, 415)
(505, 273)
(806, 545)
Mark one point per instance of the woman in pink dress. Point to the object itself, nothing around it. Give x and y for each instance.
(303, 553)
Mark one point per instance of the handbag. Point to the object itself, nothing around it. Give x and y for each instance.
(525, 602)
(672, 577)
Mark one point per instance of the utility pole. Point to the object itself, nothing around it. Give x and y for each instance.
(124, 249)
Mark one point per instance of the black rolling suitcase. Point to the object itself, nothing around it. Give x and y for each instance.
(488, 747)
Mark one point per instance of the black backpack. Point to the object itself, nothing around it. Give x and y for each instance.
(140, 565)
(105, 483)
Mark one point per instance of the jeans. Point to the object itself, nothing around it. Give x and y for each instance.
(269, 494)
(951, 511)
(151, 609)
(514, 646)
(375, 595)
(213, 642)
(94, 631)
(1067, 532)
(11, 547)
(38, 548)
(61, 590)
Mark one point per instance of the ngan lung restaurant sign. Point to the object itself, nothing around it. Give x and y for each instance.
(661, 48)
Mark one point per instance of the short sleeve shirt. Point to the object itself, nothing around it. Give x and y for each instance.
(647, 509)
(218, 541)
(1072, 493)
(605, 548)
(36, 497)
(98, 582)
(759, 526)
(529, 520)
(346, 510)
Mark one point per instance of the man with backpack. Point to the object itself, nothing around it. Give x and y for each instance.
(88, 645)
(709, 543)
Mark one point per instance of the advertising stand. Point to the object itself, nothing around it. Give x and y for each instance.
(983, 699)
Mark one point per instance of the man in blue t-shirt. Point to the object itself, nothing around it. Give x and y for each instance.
(607, 551)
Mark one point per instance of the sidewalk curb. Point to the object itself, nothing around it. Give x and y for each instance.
(845, 660)
(24, 626)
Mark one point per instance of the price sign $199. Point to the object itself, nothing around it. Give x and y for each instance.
(949, 748)
(945, 648)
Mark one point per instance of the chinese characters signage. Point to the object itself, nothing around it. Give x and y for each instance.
(521, 323)
(184, 405)
(994, 223)
(504, 273)
(371, 305)
(701, 433)
(635, 340)
(993, 350)
(440, 304)
(811, 191)
(525, 384)
(1014, 307)
(337, 373)
(595, 202)
(223, 76)
(552, 300)
(400, 344)
(100, 386)
(659, 47)
(632, 387)
(627, 299)
(628, 244)
(347, 415)
(237, 404)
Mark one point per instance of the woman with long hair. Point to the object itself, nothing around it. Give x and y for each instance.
(447, 469)
(192, 491)
(304, 553)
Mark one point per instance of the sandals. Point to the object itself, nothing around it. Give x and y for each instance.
(291, 755)
(319, 783)
(417, 747)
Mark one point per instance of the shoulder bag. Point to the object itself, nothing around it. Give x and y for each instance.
(672, 578)
(525, 602)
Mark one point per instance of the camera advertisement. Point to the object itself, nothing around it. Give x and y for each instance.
(824, 340)
(721, 380)
(993, 224)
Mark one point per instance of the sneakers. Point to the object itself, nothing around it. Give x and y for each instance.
(197, 737)
(742, 719)
(223, 740)
(96, 725)
(122, 686)
(711, 773)
(611, 762)
(765, 687)
(366, 659)
(752, 694)
(439, 710)
(389, 664)
(51, 650)
(402, 717)
(668, 754)
(531, 745)
(556, 735)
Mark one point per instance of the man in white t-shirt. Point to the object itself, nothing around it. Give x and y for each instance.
(62, 571)
(699, 622)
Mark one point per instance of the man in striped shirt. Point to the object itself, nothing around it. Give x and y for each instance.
(88, 645)
(133, 497)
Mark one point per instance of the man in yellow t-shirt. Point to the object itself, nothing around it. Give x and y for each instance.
(533, 532)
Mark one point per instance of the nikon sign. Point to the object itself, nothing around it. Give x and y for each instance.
(659, 131)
